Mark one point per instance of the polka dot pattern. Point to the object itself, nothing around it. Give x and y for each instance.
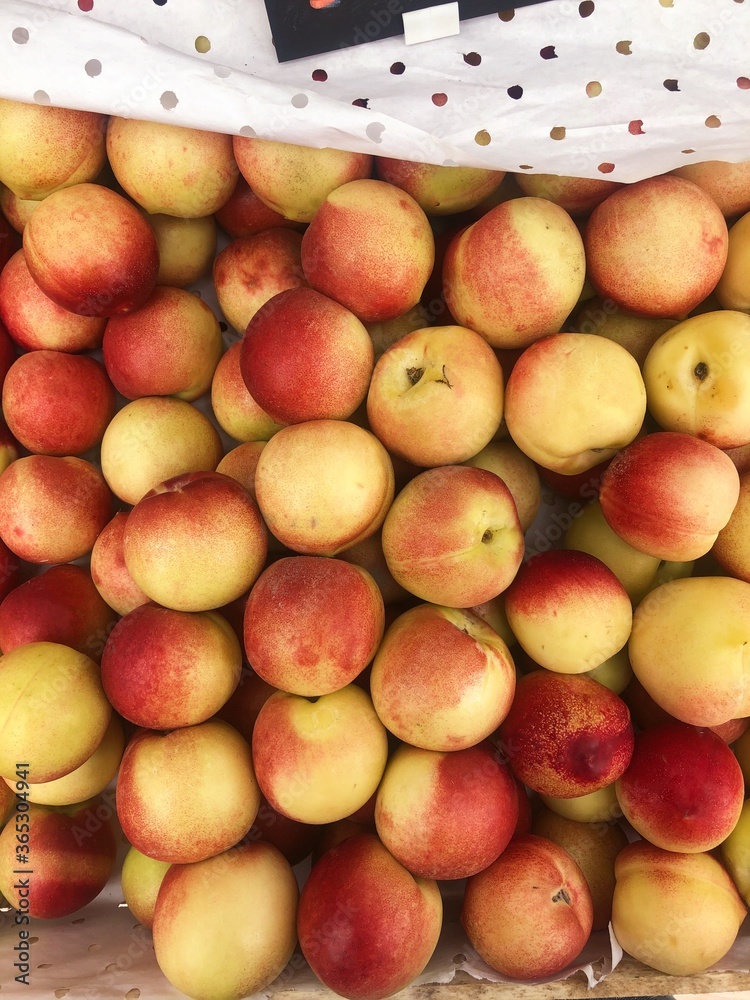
(567, 70)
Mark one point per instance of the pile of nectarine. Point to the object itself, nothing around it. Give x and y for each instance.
(280, 568)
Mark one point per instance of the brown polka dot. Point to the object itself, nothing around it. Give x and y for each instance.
(636, 127)
(558, 132)
(319, 75)
(202, 44)
(361, 102)
(515, 92)
(472, 58)
(743, 82)
(525, 166)
(397, 68)
(667, 3)
(701, 40)
(41, 97)
(93, 67)
(586, 8)
(168, 100)
(506, 15)
(439, 100)
(483, 137)
(20, 36)
(623, 47)
(593, 89)
(548, 52)
(606, 168)
(687, 150)
(712, 122)
(672, 85)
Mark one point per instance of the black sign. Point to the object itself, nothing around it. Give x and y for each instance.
(309, 27)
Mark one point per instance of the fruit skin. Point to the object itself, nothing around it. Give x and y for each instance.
(91, 251)
(319, 761)
(323, 485)
(244, 214)
(108, 569)
(680, 228)
(574, 400)
(566, 735)
(61, 605)
(52, 509)
(366, 925)
(295, 180)
(252, 270)
(312, 624)
(169, 347)
(153, 439)
(35, 322)
(255, 888)
(700, 627)
(530, 913)
(189, 794)
(300, 338)
(605, 318)
(446, 815)
(442, 678)
(202, 170)
(140, 880)
(594, 848)
(727, 183)
(568, 611)
(516, 274)
(519, 474)
(47, 148)
(732, 290)
(235, 410)
(187, 248)
(195, 542)
(56, 403)
(683, 789)
(735, 853)
(371, 228)
(73, 850)
(436, 396)
(577, 195)
(697, 375)
(676, 913)
(164, 669)
(439, 190)
(669, 494)
(452, 536)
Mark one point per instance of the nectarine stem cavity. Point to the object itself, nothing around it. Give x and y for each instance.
(701, 370)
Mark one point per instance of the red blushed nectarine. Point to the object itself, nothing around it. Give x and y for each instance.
(305, 357)
(669, 494)
(61, 605)
(442, 679)
(255, 890)
(35, 322)
(164, 669)
(169, 347)
(10, 571)
(234, 408)
(577, 195)
(530, 913)
(452, 536)
(71, 851)
(439, 190)
(366, 925)
(91, 251)
(108, 569)
(370, 247)
(677, 226)
(201, 175)
(196, 542)
(312, 624)
(243, 707)
(244, 214)
(47, 148)
(446, 815)
(683, 789)
(251, 271)
(7, 349)
(52, 509)
(189, 794)
(56, 403)
(566, 735)
(296, 841)
(568, 611)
